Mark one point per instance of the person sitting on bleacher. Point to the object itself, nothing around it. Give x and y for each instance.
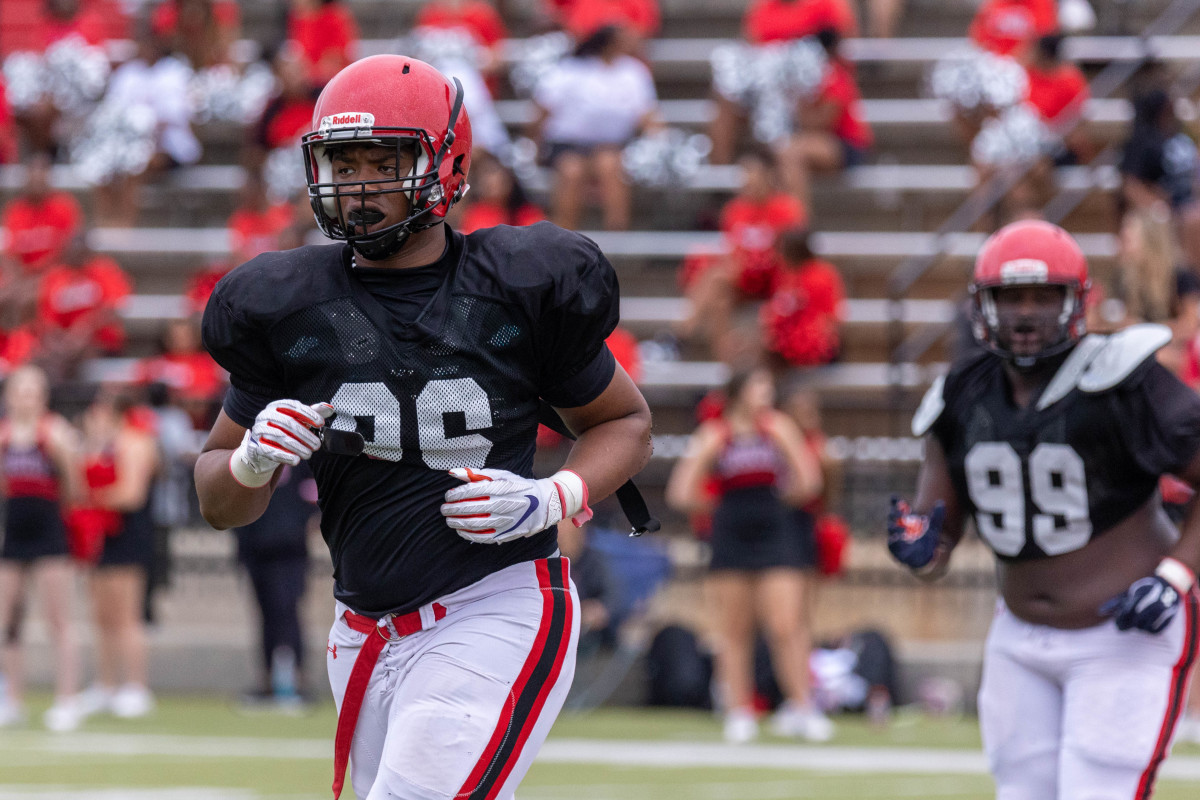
(581, 17)
(327, 35)
(39, 221)
(751, 222)
(255, 225)
(588, 108)
(801, 321)
(288, 113)
(78, 308)
(157, 81)
(204, 31)
(832, 134)
(95, 22)
(1058, 90)
(193, 381)
(498, 199)
(768, 21)
(480, 19)
(783, 20)
(1007, 27)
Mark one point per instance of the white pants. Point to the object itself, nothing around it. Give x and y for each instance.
(459, 710)
(1083, 714)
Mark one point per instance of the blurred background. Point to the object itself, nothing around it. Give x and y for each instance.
(795, 184)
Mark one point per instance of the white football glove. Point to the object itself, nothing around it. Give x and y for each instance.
(497, 506)
(282, 434)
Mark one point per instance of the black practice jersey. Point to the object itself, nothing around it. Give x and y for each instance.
(521, 314)
(1043, 480)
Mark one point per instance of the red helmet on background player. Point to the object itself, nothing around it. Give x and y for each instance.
(1030, 253)
(393, 101)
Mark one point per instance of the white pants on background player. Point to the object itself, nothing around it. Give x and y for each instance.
(1086, 713)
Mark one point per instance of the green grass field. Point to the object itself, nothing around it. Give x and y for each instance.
(202, 749)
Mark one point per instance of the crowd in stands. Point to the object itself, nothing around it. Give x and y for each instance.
(763, 297)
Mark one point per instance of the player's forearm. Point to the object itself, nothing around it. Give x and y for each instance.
(610, 453)
(225, 503)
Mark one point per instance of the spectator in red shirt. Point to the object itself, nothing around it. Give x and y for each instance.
(40, 221)
(1059, 90)
(289, 113)
(193, 380)
(95, 21)
(832, 134)
(1007, 27)
(78, 308)
(774, 21)
(751, 223)
(201, 284)
(782, 20)
(582, 18)
(202, 30)
(801, 320)
(478, 18)
(327, 35)
(497, 199)
(255, 226)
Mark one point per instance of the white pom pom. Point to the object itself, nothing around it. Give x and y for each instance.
(536, 56)
(1018, 135)
(23, 79)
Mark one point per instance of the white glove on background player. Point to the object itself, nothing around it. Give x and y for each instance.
(282, 434)
(497, 506)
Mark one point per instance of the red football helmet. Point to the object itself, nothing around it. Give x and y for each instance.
(397, 101)
(1030, 253)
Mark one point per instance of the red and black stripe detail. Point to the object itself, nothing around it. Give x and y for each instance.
(533, 685)
(1180, 677)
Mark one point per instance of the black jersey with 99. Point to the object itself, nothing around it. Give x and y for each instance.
(521, 314)
(1042, 481)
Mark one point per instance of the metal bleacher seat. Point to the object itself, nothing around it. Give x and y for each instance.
(616, 244)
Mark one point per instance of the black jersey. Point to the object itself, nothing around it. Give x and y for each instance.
(522, 314)
(1044, 479)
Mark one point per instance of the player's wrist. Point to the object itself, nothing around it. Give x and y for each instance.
(937, 566)
(247, 470)
(573, 495)
(1175, 572)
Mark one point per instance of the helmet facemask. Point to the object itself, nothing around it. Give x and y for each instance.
(423, 186)
(997, 325)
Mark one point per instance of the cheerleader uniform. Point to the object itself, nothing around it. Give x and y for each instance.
(753, 529)
(33, 525)
(132, 543)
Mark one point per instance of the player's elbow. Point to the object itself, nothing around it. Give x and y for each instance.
(643, 427)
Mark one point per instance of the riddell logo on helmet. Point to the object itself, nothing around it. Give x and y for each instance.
(1024, 270)
(351, 119)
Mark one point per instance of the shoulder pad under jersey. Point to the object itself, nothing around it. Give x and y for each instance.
(1098, 363)
(932, 405)
(1123, 352)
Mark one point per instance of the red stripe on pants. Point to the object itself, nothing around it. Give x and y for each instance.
(544, 689)
(1175, 699)
(504, 723)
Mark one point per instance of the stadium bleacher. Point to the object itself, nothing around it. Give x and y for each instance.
(867, 221)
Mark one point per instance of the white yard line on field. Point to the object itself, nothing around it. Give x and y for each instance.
(858, 760)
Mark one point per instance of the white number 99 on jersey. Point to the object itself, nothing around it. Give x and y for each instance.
(1056, 496)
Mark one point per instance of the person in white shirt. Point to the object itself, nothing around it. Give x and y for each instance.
(588, 108)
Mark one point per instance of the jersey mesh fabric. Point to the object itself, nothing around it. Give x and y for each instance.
(457, 388)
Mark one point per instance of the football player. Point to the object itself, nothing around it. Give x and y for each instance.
(1052, 442)
(456, 625)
